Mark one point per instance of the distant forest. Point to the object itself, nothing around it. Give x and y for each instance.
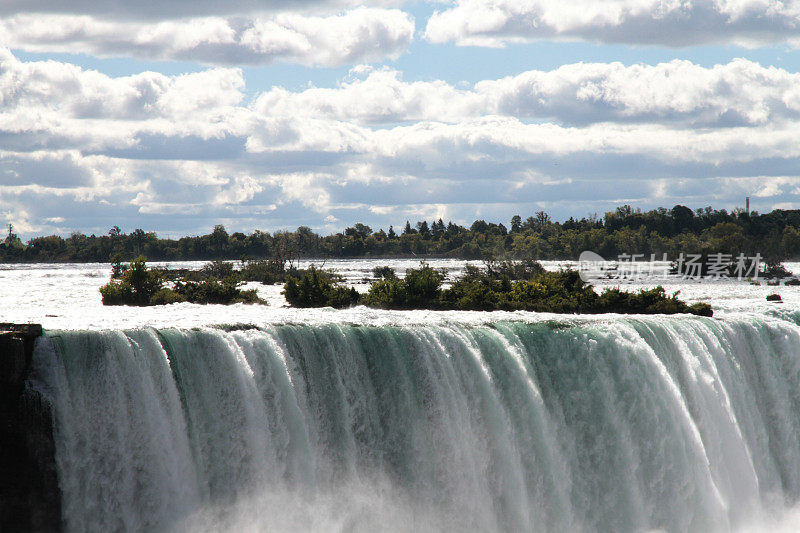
(775, 235)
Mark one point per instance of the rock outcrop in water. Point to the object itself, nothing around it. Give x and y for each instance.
(29, 495)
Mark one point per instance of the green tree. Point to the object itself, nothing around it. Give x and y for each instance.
(359, 231)
(424, 231)
(219, 240)
(136, 286)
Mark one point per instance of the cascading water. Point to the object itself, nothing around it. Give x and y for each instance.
(624, 424)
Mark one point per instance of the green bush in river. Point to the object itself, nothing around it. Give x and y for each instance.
(534, 290)
(141, 286)
(420, 289)
(488, 289)
(318, 288)
(136, 285)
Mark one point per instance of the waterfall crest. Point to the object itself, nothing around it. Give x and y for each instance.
(625, 424)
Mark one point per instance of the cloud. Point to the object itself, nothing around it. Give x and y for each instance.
(148, 10)
(358, 35)
(734, 94)
(673, 23)
(180, 153)
(58, 106)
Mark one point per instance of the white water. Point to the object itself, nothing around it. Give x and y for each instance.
(624, 424)
(365, 420)
(66, 297)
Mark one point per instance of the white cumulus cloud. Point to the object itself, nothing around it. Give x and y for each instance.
(741, 92)
(673, 23)
(177, 152)
(353, 36)
(149, 10)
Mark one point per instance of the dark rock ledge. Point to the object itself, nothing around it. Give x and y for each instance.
(29, 496)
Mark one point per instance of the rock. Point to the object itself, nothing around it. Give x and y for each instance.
(29, 495)
(774, 298)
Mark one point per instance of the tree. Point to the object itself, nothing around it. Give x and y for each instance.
(144, 281)
(516, 224)
(359, 231)
(316, 288)
(307, 240)
(12, 237)
(790, 242)
(408, 229)
(138, 237)
(219, 239)
(479, 226)
(683, 218)
(437, 228)
(542, 220)
(624, 211)
(392, 234)
(137, 285)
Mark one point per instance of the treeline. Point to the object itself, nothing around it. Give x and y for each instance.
(775, 235)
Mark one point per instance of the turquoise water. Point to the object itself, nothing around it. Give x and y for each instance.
(624, 424)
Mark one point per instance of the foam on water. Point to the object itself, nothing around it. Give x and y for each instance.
(67, 297)
(363, 420)
(620, 424)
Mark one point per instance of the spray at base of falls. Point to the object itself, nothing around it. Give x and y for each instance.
(625, 424)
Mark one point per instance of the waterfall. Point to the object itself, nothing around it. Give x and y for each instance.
(616, 424)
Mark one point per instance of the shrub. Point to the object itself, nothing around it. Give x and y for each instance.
(471, 295)
(515, 270)
(701, 309)
(383, 272)
(316, 288)
(423, 286)
(264, 271)
(116, 293)
(388, 293)
(340, 296)
(137, 285)
(557, 292)
(213, 291)
(420, 289)
(485, 290)
(145, 282)
(774, 269)
(117, 268)
(218, 269)
(477, 290)
(166, 296)
(141, 286)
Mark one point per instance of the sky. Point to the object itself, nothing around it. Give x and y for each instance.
(176, 116)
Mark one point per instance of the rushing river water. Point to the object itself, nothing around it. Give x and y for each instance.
(363, 420)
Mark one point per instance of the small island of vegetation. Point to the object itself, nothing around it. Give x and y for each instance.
(138, 285)
(509, 286)
(500, 285)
